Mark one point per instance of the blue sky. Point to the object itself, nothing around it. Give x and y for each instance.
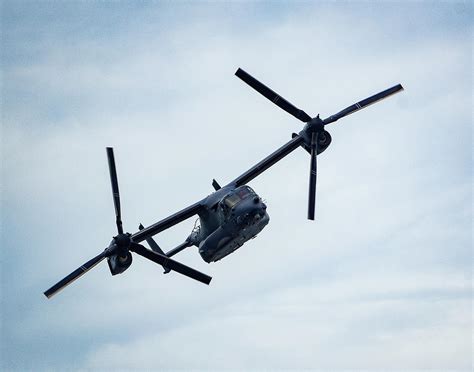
(382, 278)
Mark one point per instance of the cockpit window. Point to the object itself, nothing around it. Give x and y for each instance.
(232, 200)
(239, 194)
(243, 192)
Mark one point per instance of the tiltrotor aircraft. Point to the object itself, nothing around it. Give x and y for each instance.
(232, 214)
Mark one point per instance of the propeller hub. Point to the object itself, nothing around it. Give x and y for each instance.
(122, 244)
(315, 125)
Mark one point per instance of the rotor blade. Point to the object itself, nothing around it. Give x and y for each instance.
(272, 96)
(74, 275)
(155, 247)
(312, 176)
(364, 103)
(151, 242)
(172, 264)
(115, 188)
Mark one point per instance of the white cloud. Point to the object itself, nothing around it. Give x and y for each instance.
(303, 327)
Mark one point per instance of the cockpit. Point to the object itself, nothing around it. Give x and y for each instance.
(237, 196)
(240, 215)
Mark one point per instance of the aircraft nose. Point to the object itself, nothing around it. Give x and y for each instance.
(251, 212)
(259, 213)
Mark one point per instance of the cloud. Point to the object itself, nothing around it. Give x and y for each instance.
(292, 328)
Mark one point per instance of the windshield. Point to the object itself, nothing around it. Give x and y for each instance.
(237, 196)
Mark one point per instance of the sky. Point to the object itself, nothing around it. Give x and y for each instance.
(381, 280)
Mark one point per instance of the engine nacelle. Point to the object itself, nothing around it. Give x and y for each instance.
(118, 265)
(324, 140)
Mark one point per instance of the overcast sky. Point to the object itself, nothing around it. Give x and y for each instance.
(381, 279)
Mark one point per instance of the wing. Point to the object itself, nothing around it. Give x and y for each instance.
(167, 222)
(194, 209)
(268, 161)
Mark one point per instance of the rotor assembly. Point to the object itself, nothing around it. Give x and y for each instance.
(314, 137)
(118, 253)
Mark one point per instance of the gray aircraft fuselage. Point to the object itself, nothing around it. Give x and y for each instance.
(228, 218)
